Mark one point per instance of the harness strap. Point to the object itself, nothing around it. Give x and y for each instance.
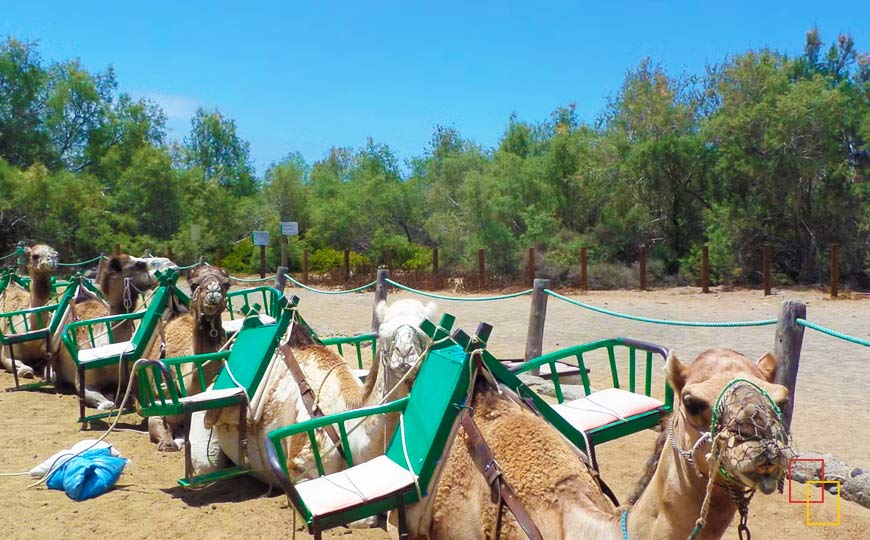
(502, 493)
(308, 395)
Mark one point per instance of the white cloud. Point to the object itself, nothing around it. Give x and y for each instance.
(176, 107)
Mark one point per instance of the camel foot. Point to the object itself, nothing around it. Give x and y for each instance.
(25, 372)
(106, 406)
(366, 523)
(168, 446)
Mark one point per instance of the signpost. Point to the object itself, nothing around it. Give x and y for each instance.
(288, 228)
(261, 238)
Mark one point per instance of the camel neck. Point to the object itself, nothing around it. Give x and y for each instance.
(377, 430)
(40, 289)
(208, 334)
(671, 503)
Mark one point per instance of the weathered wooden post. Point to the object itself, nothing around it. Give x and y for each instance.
(284, 251)
(835, 271)
(537, 318)
(305, 267)
(380, 294)
(281, 278)
(787, 350)
(766, 256)
(584, 277)
(218, 256)
(705, 269)
(641, 257)
(531, 268)
(481, 268)
(21, 260)
(117, 249)
(347, 265)
(262, 262)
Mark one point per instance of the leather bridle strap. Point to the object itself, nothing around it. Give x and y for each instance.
(308, 396)
(502, 493)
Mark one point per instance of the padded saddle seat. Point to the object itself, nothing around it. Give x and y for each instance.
(105, 351)
(234, 325)
(368, 481)
(605, 407)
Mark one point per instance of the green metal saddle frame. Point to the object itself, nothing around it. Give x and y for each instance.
(114, 352)
(47, 318)
(409, 467)
(162, 390)
(618, 427)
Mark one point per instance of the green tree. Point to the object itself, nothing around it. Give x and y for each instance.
(215, 148)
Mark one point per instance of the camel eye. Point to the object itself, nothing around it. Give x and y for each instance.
(694, 406)
(34, 257)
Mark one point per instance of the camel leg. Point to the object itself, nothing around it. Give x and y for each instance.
(21, 371)
(91, 398)
(161, 434)
(403, 525)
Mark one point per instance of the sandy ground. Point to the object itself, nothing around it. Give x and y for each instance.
(832, 410)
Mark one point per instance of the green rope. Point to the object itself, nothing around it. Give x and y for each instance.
(188, 267)
(4, 257)
(727, 324)
(253, 280)
(82, 263)
(834, 333)
(459, 298)
(320, 291)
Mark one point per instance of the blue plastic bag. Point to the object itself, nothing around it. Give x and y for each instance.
(87, 475)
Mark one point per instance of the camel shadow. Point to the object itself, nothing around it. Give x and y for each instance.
(226, 491)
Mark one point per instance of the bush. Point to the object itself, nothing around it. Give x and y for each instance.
(328, 260)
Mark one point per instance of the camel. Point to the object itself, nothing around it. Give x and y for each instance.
(121, 280)
(41, 263)
(400, 345)
(196, 331)
(564, 499)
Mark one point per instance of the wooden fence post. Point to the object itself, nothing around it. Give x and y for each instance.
(531, 268)
(835, 271)
(305, 267)
(347, 265)
(284, 252)
(766, 256)
(787, 350)
(262, 262)
(281, 278)
(705, 269)
(584, 277)
(380, 295)
(481, 268)
(537, 318)
(641, 257)
(218, 257)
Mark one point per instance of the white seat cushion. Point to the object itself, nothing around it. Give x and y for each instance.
(360, 373)
(605, 407)
(209, 395)
(234, 325)
(359, 484)
(104, 351)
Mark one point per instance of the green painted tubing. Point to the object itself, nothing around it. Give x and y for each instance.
(320, 291)
(188, 267)
(833, 333)
(556, 384)
(632, 368)
(648, 377)
(726, 324)
(611, 355)
(317, 460)
(584, 376)
(348, 457)
(458, 298)
(82, 263)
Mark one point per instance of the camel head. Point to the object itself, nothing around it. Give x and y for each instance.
(208, 290)
(41, 259)
(725, 395)
(123, 269)
(400, 340)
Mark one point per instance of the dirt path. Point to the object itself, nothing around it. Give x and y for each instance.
(832, 407)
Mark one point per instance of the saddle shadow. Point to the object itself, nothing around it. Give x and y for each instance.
(225, 491)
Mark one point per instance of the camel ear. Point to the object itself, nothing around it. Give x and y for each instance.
(767, 365)
(381, 311)
(430, 310)
(676, 372)
(115, 264)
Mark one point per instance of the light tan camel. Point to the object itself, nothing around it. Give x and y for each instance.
(400, 345)
(41, 264)
(196, 331)
(121, 281)
(565, 501)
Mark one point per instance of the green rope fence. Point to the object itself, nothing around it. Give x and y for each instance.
(189, 266)
(4, 257)
(458, 298)
(253, 280)
(727, 324)
(83, 263)
(321, 291)
(833, 333)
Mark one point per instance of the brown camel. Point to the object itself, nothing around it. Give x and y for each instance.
(564, 499)
(191, 332)
(41, 264)
(121, 281)
(400, 345)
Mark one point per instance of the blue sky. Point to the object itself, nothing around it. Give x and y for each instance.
(305, 76)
